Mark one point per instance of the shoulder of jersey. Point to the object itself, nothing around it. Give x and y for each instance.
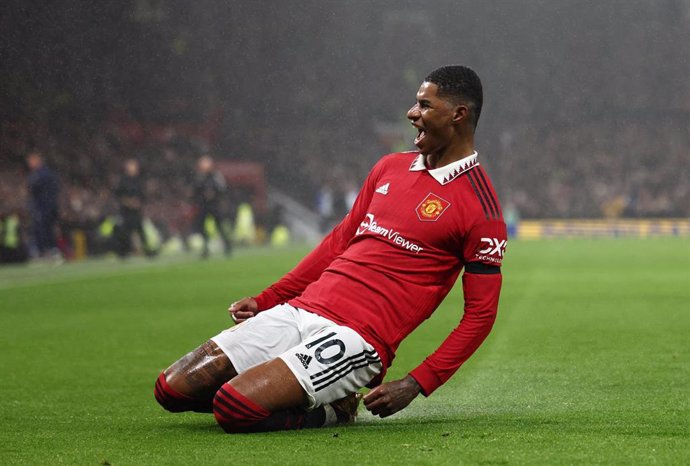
(400, 157)
(482, 197)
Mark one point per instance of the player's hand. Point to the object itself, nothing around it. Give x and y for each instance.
(391, 397)
(244, 309)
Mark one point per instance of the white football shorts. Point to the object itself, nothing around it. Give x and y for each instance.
(329, 360)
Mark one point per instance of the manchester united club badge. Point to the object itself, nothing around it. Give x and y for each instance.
(431, 208)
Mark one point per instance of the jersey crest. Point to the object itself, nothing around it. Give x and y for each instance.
(431, 208)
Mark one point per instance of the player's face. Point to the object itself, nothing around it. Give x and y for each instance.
(433, 118)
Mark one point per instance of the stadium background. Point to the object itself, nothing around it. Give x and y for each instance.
(585, 132)
(587, 110)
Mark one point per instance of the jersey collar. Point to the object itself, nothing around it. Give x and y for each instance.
(447, 173)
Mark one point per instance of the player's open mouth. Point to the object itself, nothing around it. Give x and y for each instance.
(420, 135)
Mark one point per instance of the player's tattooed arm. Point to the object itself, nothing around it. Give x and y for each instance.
(201, 372)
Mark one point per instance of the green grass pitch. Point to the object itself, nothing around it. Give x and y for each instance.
(588, 364)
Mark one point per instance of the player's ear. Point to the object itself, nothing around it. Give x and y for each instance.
(461, 112)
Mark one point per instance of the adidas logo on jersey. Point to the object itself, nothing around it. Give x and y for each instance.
(305, 359)
(383, 189)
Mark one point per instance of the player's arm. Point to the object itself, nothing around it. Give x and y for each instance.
(313, 265)
(481, 285)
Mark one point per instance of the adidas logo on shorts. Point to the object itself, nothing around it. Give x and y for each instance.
(305, 359)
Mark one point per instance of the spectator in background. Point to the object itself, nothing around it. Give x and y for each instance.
(12, 246)
(44, 190)
(324, 206)
(209, 190)
(130, 196)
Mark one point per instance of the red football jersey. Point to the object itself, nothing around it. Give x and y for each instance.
(392, 260)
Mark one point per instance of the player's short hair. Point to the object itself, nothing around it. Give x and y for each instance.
(461, 84)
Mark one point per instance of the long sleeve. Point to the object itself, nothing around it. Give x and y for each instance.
(309, 269)
(334, 244)
(481, 291)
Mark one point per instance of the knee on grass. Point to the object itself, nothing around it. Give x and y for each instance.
(170, 399)
(236, 413)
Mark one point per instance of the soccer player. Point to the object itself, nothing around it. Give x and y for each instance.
(304, 346)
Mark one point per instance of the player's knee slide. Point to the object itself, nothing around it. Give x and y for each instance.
(235, 412)
(170, 399)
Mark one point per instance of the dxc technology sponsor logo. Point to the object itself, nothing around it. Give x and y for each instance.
(493, 250)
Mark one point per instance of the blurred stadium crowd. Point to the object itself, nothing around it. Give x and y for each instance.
(587, 110)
